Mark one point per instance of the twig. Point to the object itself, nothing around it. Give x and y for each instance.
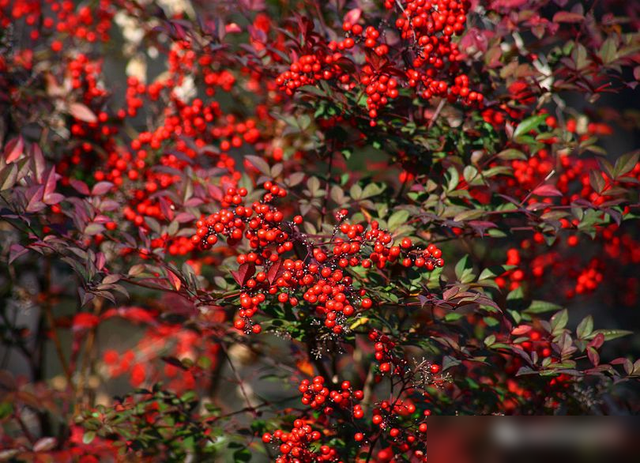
(250, 407)
(436, 114)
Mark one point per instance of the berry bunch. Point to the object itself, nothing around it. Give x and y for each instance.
(429, 63)
(384, 251)
(86, 23)
(429, 26)
(388, 362)
(310, 68)
(300, 445)
(315, 395)
(379, 88)
(314, 273)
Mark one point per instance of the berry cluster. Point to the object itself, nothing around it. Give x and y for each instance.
(314, 274)
(311, 68)
(379, 88)
(86, 23)
(300, 445)
(429, 26)
(429, 63)
(397, 419)
(315, 395)
(370, 37)
(384, 251)
(388, 362)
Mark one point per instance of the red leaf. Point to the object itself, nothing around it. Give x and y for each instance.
(100, 260)
(520, 330)
(593, 355)
(38, 161)
(275, 271)
(567, 17)
(244, 272)
(85, 321)
(134, 314)
(597, 341)
(175, 281)
(547, 190)
(353, 16)
(82, 113)
(13, 150)
(80, 186)
(232, 28)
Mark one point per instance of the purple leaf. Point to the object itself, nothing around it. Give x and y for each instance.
(16, 251)
(53, 198)
(547, 190)
(260, 164)
(100, 260)
(80, 187)
(50, 182)
(101, 188)
(38, 161)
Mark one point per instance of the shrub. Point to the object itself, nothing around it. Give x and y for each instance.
(295, 230)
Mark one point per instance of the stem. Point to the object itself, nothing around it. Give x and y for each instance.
(328, 189)
(436, 114)
(250, 407)
(85, 369)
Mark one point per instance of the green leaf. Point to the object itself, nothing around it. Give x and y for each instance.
(397, 219)
(585, 328)
(8, 177)
(528, 125)
(453, 317)
(313, 184)
(493, 272)
(461, 265)
(609, 334)
(626, 163)
(242, 455)
(468, 215)
(88, 437)
(608, 52)
(559, 321)
(542, 307)
(579, 56)
(312, 89)
(371, 190)
(356, 192)
(596, 181)
(454, 178)
(511, 154)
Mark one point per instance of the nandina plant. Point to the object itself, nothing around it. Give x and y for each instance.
(293, 231)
